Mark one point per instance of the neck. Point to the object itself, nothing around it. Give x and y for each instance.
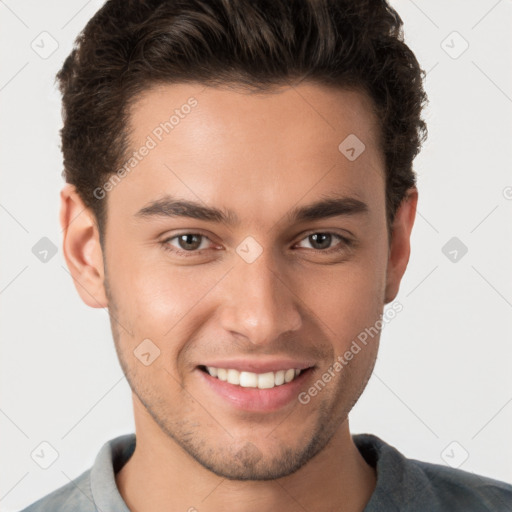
(160, 476)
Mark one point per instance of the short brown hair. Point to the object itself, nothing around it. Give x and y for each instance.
(131, 45)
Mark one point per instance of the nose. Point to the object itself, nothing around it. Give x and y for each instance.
(259, 303)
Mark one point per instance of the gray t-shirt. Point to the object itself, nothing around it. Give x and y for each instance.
(402, 484)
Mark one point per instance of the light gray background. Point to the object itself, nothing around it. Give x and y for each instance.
(443, 373)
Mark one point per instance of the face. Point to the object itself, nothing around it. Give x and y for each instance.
(255, 277)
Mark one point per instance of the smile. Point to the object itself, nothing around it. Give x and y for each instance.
(246, 379)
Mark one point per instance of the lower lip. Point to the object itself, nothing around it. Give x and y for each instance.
(255, 399)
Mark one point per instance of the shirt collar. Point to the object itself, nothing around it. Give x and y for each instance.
(388, 462)
(110, 459)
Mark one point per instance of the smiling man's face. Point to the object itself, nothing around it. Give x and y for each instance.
(264, 283)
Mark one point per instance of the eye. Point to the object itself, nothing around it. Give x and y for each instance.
(321, 242)
(187, 244)
(192, 244)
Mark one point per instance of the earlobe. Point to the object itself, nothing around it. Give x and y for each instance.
(81, 248)
(400, 246)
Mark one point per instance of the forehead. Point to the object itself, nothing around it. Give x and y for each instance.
(252, 151)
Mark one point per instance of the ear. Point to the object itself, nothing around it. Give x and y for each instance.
(81, 248)
(400, 246)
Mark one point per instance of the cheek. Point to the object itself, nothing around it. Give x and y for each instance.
(348, 297)
(155, 295)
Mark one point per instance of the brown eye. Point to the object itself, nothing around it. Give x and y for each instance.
(320, 240)
(189, 241)
(186, 244)
(323, 242)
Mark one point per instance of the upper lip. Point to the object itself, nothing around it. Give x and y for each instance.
(260, 365)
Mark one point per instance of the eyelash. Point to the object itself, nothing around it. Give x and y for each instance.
(345, 243)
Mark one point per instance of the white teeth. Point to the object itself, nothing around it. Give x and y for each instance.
(233, 376)
(279, 378)
(254, 380)
(248, 380)
(266, 380)
(289, 375)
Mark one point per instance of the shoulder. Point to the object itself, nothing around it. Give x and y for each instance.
(456, 489)
(95, 489)
(75, 495)
(408, 484)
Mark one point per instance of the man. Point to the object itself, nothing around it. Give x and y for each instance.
(241, 197)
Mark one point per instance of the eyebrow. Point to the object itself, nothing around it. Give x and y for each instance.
(333, 206)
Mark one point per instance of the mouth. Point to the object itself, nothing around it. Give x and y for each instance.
(245, 379)
(254, 392)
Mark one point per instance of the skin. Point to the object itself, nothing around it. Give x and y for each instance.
(260, 155)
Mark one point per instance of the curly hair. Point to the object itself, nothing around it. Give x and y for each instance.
(131, 45)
